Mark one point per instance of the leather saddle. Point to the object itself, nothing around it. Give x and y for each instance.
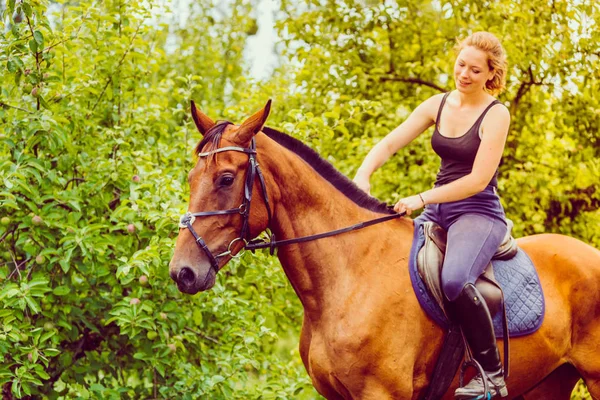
(431, 257)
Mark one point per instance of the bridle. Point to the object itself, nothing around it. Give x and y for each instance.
(253, 171)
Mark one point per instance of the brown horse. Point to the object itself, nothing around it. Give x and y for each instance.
(364, 335)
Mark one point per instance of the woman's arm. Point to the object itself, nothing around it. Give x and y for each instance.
(488, 157)
(419, 120)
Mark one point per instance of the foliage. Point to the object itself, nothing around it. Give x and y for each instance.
(96, 143)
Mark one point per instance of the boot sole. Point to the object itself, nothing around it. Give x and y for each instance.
(503, 392)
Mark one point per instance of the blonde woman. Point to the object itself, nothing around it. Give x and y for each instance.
(469, 136)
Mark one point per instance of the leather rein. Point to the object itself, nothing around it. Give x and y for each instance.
(253, 171)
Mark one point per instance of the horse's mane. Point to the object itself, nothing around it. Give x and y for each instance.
(328, 171)
(323, 167)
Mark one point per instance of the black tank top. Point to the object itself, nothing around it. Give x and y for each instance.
(458, 153)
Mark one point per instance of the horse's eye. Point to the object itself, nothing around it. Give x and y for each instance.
(226, 180)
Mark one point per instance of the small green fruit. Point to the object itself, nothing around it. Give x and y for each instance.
(39, 259)
(37, 220)
(5, 220)
(48, 326)
(151, 335)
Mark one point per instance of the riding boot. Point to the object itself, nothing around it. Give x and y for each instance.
(473, 316)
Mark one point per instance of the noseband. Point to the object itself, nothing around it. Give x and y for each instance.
(252, 171)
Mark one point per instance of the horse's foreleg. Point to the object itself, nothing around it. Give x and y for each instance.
(376, 390)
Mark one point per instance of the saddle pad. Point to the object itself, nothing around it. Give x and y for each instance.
(517, 277)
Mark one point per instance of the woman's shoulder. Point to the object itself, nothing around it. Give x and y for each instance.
(432, 104)
(498, 108)
(437, 98)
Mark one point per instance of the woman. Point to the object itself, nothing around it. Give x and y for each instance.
(469, 136)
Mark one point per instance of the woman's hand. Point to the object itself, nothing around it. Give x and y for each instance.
(363, 183)
(409, 204)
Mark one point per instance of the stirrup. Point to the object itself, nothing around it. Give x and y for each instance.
(474, 364)
(487, 379)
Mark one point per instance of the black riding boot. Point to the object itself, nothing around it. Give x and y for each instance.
(473, 315)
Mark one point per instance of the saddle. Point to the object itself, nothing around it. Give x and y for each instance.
(429, 265)
(431, 257)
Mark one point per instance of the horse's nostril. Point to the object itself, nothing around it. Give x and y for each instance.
(186, 276)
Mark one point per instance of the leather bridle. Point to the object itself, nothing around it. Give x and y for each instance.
(253, 171)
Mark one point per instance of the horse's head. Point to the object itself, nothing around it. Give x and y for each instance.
(220, 217)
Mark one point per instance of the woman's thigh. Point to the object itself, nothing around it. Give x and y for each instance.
(473, 239)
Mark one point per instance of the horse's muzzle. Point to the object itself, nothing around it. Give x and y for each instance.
(189, 281)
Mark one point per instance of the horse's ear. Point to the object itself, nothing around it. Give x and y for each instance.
(253, 125)
(203, 123)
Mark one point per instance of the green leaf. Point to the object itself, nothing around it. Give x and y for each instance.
(33, 305)
(11, 66)
(39, 38)
(33, 46)
(42, 374)
(64, 265)
(27, 9)
(61, 290)
(44, 103)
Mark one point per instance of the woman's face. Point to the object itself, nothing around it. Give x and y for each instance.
(471, 70)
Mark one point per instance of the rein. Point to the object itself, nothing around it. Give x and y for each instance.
(253, 171)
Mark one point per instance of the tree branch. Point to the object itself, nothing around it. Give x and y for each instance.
(2, 104)
(8, 232)
(118, 65)
(202, 335)
(523, 89)
(73, 180)
(417, 81)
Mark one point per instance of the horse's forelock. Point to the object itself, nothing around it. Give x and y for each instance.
(213, 137)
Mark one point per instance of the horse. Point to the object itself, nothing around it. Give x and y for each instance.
(364, 335)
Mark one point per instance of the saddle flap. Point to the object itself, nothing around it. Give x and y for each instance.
(429, 262)
(429, 265)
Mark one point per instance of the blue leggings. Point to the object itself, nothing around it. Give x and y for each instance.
(475, 227)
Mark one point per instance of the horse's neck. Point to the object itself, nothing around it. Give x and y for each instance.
(322, 271)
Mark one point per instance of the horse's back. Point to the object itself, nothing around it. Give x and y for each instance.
(561, 260)
(569, 271)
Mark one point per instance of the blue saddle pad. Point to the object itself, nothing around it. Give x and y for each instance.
(518, 278)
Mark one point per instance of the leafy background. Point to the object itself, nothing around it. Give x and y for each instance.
(96, 142)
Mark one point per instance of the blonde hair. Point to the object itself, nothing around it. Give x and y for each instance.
(489, 44)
